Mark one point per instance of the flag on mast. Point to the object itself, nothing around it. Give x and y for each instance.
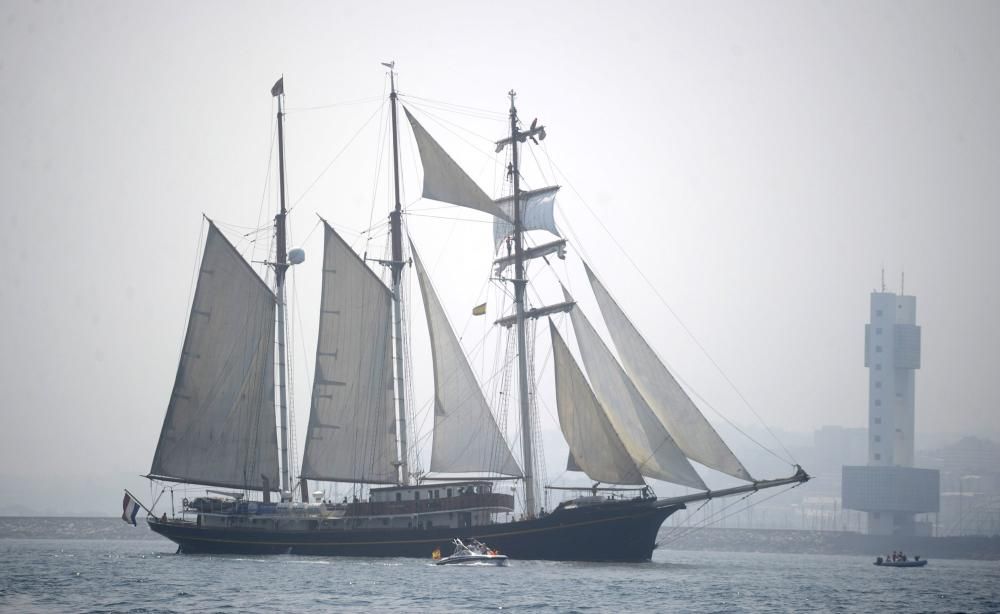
(130, 507)
(479, 310)
(279, 87)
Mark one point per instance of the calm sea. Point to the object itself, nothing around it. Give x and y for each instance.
(122, 569)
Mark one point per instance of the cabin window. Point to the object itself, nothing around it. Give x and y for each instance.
(878, 366)
(449, 492)
(437, 494)
(878, 312)
(878, 402)
(416, 496)
(878, 384)
(385, 521)
(399, 496)
(878, 456)
(878, 348)
(878, 420)
(878, 438)
(878, 331)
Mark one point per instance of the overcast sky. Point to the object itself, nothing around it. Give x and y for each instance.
(759, 162)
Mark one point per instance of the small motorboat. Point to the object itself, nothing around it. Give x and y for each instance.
(473, 553)
(917, 562)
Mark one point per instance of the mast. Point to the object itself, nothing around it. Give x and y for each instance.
(397, 264)
(280, 267)
(522, 358)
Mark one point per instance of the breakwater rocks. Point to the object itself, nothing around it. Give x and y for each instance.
(827, 542)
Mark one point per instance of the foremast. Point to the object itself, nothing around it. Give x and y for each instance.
(280, 265)
(519, 281)
(520, 314)
(396, 264)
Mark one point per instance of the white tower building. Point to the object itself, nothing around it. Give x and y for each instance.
(889, 488)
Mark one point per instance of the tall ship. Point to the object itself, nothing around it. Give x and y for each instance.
(227, 430)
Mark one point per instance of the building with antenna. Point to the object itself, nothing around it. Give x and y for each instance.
(889, 488)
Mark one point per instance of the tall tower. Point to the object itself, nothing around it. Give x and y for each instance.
(889, 488)
(892, 354)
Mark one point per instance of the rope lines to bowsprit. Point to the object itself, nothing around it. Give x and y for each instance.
(682, 532)
(790, 458)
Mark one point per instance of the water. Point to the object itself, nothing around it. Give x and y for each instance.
(140, 573)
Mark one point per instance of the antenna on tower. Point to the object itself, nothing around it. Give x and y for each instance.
(902, 283)
(883, 279)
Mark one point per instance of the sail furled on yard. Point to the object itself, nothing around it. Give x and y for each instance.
(647, 441)
(537, 213)
(220, 424)
(351, 436)
(444, 179)
(466, 436)
(671, 404)
(595, 447)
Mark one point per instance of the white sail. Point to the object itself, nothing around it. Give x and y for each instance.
(220, 424)
(595, 447)
(537, 213)
(466, 437)
(649, 443)
(685, 422)
(351, 436)
(444, 180)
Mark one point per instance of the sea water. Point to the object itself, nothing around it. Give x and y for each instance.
(131, 570)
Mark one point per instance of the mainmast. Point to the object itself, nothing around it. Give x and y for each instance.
(397, 264)
(280, 268)
(522, 358)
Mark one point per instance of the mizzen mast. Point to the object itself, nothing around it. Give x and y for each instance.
(280, 268)
(397, 264)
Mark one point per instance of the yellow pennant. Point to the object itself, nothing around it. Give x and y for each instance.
(479, 310)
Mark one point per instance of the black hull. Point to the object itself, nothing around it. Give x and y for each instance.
(612, 531)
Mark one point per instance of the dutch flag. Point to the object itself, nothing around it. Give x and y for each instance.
(130, 507)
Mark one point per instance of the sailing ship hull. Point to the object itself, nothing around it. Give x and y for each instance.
(610, 531)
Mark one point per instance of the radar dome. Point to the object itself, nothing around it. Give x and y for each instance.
(296, 256)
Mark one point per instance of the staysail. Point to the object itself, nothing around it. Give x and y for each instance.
(685, 422)
(647, 441)
(595, 447)
(351, 436)
(537, 207)
(466, 437)
(444, 180)
(220, 425)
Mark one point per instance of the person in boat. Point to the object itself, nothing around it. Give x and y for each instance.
(878, 561)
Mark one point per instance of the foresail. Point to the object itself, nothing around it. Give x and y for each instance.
(595, 447)
(466, 437)
(537, 213)
(647, 441)
(444, 179)
(220, 424)
(685, 422)
(351, 436)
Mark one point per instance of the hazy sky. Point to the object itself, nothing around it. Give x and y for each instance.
(760, 162)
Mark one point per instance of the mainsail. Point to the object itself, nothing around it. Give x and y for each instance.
(466, 437)
(649, 444)
(444, 179)
(220, 429)
(686, 424)
(351, 434)
(595, 447)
